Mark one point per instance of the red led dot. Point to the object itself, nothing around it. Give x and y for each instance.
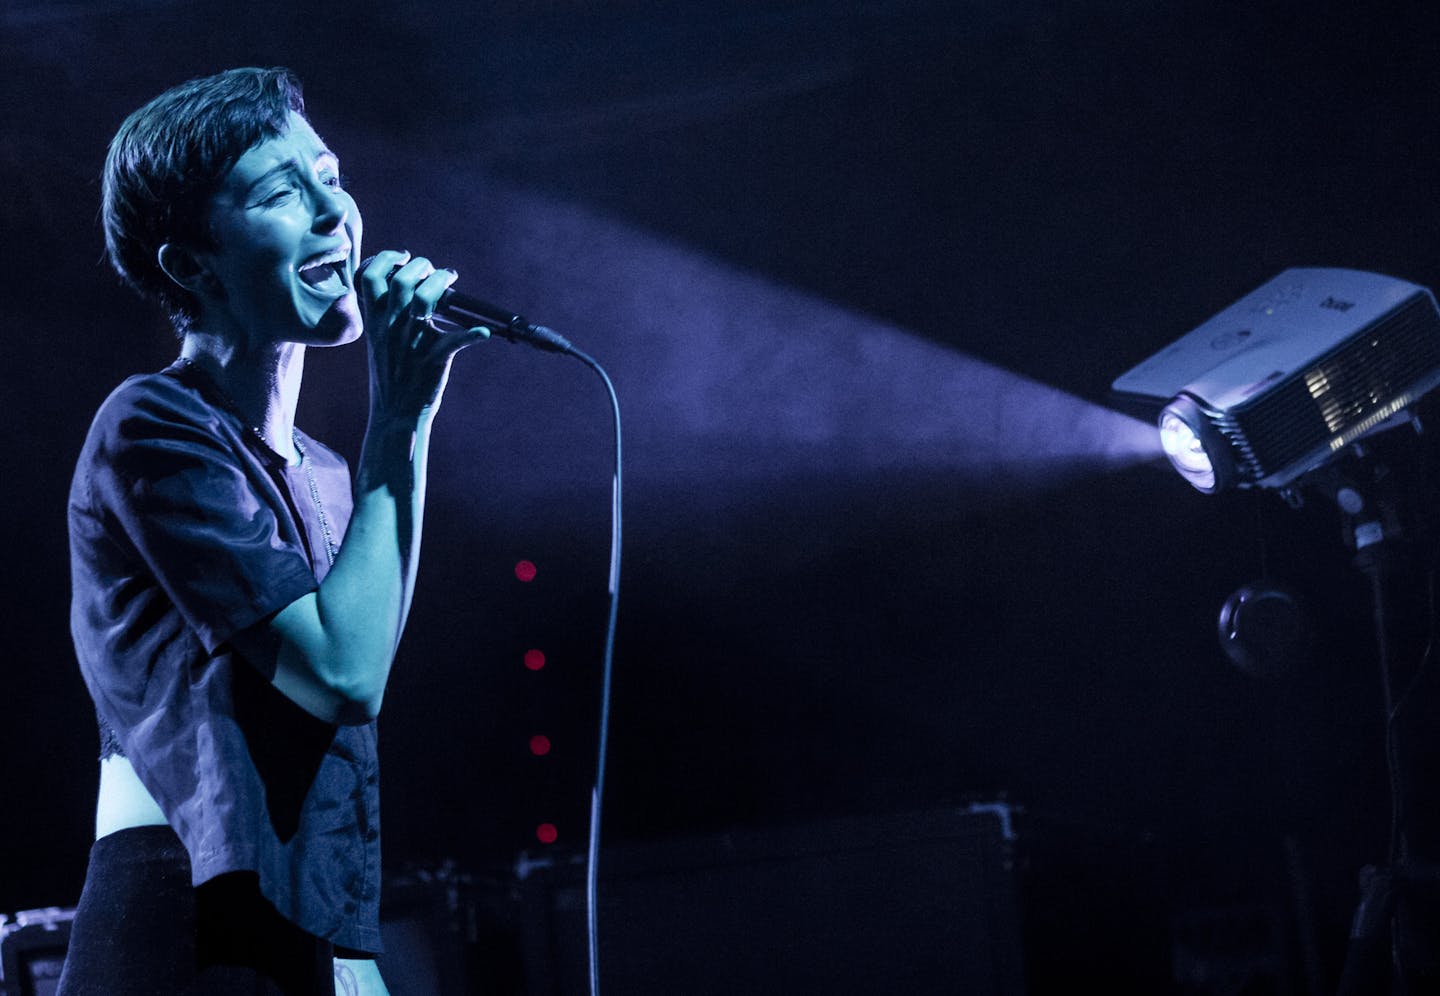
(546, 833)
(534, 659)
(540, 745)
(525, 571)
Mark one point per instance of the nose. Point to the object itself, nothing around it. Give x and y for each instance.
(332, 207)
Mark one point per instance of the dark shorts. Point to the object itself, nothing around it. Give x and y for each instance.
(141, 929)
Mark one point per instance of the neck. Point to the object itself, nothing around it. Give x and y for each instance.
(264, 385)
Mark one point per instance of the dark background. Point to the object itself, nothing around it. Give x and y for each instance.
(862, 274)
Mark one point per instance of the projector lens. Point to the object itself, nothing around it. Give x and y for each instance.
(1182, 438)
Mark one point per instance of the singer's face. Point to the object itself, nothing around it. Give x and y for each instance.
(288, 244)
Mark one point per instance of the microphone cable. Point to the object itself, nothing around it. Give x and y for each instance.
(597, 793)
(458, 311)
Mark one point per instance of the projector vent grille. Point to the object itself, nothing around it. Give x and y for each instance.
(1376, 369)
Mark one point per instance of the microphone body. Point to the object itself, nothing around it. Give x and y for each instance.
(463, 311)
(467, 312)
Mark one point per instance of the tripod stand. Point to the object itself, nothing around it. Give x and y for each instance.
(1394, 944)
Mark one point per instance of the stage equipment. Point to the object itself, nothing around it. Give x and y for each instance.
(1293, 388)
(32, 951)
(1290, 375)
(918, 902)
(449, 932)
(1264, 629)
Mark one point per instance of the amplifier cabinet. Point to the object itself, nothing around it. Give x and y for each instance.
(921, 902)
(32, 951)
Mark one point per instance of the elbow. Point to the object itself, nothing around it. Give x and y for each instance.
(355, 703)
(352, 679)
(330, 695)
(336, 673)
(354, 694)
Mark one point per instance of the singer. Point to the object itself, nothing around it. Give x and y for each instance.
(236, 604)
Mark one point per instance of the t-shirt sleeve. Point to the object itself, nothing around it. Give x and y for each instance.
(205, 521)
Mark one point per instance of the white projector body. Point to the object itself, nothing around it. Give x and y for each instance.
(1298, 369)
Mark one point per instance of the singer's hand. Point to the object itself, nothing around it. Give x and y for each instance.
(409, 358)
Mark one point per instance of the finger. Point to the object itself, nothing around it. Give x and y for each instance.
(375, 275)
(431, 289)
(450, 338)
(453, 342)
(403, 283)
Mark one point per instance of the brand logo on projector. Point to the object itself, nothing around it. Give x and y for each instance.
(1335, 304)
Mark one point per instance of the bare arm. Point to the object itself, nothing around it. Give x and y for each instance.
(333, 647)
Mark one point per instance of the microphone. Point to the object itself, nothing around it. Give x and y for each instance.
(465, 311)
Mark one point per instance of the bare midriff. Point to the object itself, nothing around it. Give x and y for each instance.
(124, 802)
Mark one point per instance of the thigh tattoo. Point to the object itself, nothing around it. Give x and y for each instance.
(345, 982)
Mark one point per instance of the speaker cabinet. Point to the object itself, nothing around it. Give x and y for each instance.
(924, 902)
(450, 932)
(32, 951)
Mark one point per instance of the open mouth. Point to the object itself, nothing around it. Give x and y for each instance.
(327, 272)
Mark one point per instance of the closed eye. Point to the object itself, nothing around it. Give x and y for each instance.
(276, 197)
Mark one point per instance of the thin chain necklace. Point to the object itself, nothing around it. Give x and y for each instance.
(330, 546)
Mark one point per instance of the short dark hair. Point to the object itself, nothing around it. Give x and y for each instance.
(167, 161)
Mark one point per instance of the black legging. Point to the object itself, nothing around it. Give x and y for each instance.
(141, 929)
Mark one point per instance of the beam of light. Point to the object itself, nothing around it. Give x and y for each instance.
(723, 374)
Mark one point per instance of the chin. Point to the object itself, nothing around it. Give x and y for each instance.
(340, 324)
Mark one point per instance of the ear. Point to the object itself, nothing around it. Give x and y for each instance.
(187, 269)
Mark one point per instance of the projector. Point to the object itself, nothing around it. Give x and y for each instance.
(1291, 374)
